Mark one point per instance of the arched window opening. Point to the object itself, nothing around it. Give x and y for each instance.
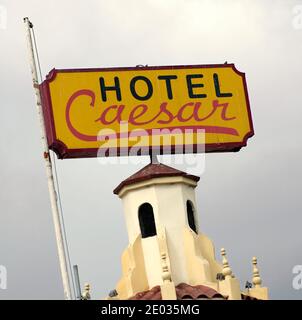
(146, 220)
(190, 215)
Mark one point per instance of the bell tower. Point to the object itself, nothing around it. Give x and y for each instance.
(168, 257)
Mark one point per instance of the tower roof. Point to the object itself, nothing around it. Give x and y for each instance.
(183, 291)
(153, 170)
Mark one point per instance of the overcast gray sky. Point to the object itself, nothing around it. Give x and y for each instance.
(248, 202)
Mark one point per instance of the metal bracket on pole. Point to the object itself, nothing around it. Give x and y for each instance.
(48, 166)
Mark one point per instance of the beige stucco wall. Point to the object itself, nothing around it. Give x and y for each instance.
(152, 261)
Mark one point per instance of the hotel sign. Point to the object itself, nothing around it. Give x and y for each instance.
(122, 111)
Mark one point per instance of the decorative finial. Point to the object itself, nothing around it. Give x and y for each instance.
(256, 276)
(226, 270)
(86, 293)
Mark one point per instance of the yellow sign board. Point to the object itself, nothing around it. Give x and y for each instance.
(131, 111)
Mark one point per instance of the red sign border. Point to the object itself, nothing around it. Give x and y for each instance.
(63, 152)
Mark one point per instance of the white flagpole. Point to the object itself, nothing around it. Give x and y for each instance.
(48, 166)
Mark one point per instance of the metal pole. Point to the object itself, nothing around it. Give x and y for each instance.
(77, 282)
(48, 166)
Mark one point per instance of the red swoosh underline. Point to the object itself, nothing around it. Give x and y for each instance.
(144, 132)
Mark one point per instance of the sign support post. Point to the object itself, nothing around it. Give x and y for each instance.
(48, 166)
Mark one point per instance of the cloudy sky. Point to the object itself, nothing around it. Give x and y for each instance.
(248, 202)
